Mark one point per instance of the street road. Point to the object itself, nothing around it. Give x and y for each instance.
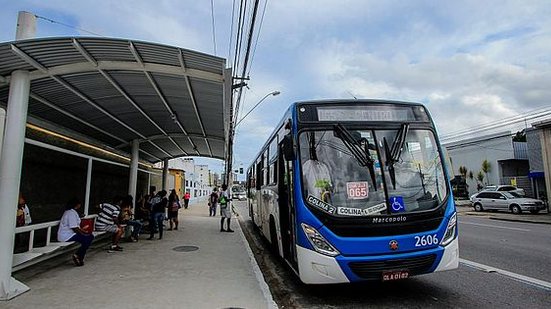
(524, 249)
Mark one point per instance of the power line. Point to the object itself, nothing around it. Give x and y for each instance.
(258, 35)
(213, 25)
(231, 29)
(501, 123)
(66, 25)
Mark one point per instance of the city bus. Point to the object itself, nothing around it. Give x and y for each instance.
(355, 190)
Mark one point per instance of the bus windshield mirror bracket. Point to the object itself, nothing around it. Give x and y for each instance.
(393, 153)
(359, 149)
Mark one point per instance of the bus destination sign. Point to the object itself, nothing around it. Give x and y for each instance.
(361, 113)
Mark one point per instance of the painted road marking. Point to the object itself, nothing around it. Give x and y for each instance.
(525, 279)
(496, 226)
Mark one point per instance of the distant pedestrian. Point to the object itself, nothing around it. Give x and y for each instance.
(70, 230)
(213, 202)
(173, 207)
(186, 200)
(225, 209)
(157, 214)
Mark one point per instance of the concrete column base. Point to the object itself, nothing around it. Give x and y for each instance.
(14, 289)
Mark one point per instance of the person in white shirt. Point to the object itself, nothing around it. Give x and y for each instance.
(70, 230)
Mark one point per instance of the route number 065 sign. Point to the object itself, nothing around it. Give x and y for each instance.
(357, 190)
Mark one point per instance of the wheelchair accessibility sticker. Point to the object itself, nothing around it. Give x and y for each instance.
(396, 204)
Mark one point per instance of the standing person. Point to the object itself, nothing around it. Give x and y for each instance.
(70, 230)
(173, 207)
(225, 210)
(213, 202)
(186, 199)
(157, 214)
(108, 221)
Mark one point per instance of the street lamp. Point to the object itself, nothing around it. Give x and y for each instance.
(274, 93)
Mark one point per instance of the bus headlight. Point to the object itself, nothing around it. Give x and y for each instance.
(450, 230)
(318, 242)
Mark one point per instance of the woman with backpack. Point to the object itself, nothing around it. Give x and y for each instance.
(173, 207)
(225, 210)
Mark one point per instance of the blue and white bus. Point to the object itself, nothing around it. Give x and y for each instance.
(348, 191)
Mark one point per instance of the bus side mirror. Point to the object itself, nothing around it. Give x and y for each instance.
(287, 148)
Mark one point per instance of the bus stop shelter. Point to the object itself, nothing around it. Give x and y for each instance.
(151, 101)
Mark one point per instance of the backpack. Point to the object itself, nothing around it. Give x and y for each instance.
(223, 199)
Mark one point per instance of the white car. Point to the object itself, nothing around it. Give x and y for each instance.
(501, 200)
(507, 188)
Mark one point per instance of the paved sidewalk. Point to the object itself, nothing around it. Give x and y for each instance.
(464, 208)
(149, 274)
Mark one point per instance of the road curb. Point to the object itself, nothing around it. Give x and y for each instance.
(256, 269)
(518, 220)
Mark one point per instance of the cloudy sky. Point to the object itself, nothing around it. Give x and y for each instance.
(470, 62)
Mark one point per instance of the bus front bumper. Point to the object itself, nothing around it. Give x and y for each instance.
(316, 268)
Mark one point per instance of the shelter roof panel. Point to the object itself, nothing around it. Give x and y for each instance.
(186, 145)
(10, 62)
(142, 92)
(56, 52)
(209, 93)
(175, 91)
(217, 147)
(201, 145)
(158, 54)
(203, 62)
(53, 116)
(107, 49)
(115, 90)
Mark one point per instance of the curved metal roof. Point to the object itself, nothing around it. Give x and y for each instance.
(175, 101)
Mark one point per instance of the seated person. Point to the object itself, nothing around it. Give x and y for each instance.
(70, 230)
(126, 218)
(108, 221)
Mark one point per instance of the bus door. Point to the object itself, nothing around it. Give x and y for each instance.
(287, 213)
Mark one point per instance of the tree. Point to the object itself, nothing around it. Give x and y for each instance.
(463, 171)
(486, 168)
(471, 176)
(480, 178)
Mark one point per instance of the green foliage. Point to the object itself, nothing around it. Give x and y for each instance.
(480, 176)
(471, 176)
(486, 167)
(463, 171)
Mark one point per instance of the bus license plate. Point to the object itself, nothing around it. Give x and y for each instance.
(395, 275)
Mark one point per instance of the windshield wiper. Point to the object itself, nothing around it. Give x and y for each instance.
(393, 153)
(359, 149)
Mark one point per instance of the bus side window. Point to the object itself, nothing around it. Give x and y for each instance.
(258, 174)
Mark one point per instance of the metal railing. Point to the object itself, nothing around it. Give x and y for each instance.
(39, 226)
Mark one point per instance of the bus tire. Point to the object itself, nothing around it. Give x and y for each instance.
(273, 237)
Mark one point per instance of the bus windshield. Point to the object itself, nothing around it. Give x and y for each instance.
(371, 172)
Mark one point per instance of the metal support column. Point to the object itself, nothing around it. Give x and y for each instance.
(10, 177)
(165, 174)
(88, 186)
(11, 161)
(133, 179)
